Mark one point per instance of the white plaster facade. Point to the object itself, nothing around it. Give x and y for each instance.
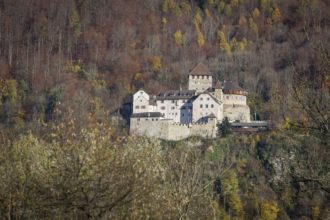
(177, 114)
(204, 105)
(200, 83)
(141, 102)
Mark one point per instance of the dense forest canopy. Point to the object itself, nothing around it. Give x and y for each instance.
(68, 66)
(68, 50)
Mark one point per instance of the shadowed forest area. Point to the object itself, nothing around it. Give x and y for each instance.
(67, 68)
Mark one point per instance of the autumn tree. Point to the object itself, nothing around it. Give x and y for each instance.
(178, 37)
(311, 97)
(223, 43)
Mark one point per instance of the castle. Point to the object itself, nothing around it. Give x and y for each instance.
(178, 114)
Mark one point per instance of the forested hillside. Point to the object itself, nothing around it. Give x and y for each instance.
(68, 66)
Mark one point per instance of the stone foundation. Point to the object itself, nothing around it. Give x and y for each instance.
(166, 129)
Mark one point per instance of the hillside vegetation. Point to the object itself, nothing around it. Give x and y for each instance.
(68, 66)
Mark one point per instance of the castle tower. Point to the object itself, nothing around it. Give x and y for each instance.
(200, 78)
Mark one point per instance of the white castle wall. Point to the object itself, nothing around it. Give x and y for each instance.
(205, 105)
(143, 127)
(199, 83)
(172, 109)
(230, 99)
(237, 113)
(141, 102)
(167, 129)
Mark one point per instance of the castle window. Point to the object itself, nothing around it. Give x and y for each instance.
(137, 107)
(206, 106)
(162, 101)
(147, 119)
(162, 108)
(152, 119)
(193, 77)
(172, 101)
(143, 106)
(138, 119)
(227, 96)
(201, 106)
(197, 77)
(212, 106)
(207, 77)
(201, 99)
(182, 115)
(202, 77)
(172, 108)
(208, 99)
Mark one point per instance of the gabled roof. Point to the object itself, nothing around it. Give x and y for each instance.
(228, 85)
(212, 97)
(215, 99)
(211, 116)
(152, 101)
(218, 85)
(200, 70)
(147, 115)
(176, 94)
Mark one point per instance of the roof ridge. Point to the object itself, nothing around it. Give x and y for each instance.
(200, 70)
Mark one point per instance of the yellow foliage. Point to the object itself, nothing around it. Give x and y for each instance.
(264, 4)
(255, 13)
(178, 37)
(74, 22)
(243, 44)
(276, 15)
(166, 6)
(97, 104)
(74, 68)
(171, 6)
(164, 20)
(308, 3)
(315, 212)
(234, 44)
(253, 26)
(207, 13)
(211, 2)
(230, 190)
(197, 18)
(200, 38)
(224, 45)
(228, 10)
(9, 90)
(185, 7)
(268, 210)
(257, 138)
(137, 76)
(176, 10)
(222, 6)
(236, 204)
(156, 63)
(233, 3)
